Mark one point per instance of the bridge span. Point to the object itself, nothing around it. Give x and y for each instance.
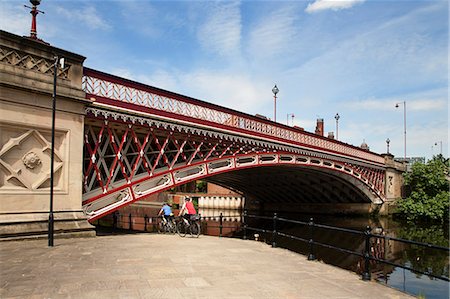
(118, 141)
(140, 140)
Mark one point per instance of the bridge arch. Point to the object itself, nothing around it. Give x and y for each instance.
(128, 158)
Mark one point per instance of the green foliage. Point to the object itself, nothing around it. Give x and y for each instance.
(422, 258)
(429, 199)
(201, 186)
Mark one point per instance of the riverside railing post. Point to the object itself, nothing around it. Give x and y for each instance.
(130, 227)
(366, 273)
(145, 222)
(274, 232)
(311, 256)
(220, 224)
(114, 220)
(244, 224)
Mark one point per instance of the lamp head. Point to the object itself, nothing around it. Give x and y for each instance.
(35, 2)
(275, 90)
(396, 105)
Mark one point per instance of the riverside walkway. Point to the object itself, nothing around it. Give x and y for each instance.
(167, 266)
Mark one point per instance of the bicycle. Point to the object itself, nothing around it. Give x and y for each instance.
(191, 226)
(167, 226)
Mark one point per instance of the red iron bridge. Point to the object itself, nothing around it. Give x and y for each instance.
(141, 140)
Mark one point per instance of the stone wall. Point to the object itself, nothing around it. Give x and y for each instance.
(26, 84)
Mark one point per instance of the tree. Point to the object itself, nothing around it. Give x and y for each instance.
(429, 199)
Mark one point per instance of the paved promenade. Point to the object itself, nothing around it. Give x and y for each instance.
(167, 266)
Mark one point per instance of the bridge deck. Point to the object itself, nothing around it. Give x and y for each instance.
(162, 266)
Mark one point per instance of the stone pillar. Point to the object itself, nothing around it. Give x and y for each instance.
(26, 85)
(393, 182)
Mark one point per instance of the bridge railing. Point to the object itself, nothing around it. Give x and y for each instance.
(122, 93)
(222, 224)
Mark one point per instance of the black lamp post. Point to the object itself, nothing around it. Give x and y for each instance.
(336, 117)
(52, 155)
(275, 90)
(287, 118)
(387, 144)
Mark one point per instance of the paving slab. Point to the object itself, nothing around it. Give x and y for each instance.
(167, 266)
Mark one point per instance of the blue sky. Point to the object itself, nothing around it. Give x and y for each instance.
(356, 58)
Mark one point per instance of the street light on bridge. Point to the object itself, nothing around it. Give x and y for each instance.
(287, 118)
(337, 117)
(387, 144)
(404, 120)
(34, 12)
(275, 90)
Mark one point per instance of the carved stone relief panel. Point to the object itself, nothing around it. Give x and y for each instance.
(25, 155)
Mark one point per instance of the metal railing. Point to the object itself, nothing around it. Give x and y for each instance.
(367, 235)
(119, 92)
(145, 223)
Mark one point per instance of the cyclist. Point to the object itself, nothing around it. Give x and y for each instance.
(188, 208)
(166, 209)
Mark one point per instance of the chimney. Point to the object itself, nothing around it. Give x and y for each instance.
(331, 135)
(319, 127)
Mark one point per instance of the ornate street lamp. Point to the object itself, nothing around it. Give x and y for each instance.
(275, 90)
(287, 118)
(34, 12)
(387, 144)
(404, 121)
(337, 117)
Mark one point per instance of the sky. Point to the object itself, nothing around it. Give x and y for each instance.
(357, 58)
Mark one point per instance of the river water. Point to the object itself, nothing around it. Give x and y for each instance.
(424, 259)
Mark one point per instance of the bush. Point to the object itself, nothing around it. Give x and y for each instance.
(429, 199)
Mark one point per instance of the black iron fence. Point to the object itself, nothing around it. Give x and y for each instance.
(145, 223)
(367, 234)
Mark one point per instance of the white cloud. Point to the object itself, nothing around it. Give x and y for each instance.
(221, 31)
(209, 86)
(274, 32)
(320, 5)
(15, 18)
(87, 15)
(238, 92)
(430, 100)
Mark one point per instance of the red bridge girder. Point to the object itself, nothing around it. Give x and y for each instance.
(128, 158)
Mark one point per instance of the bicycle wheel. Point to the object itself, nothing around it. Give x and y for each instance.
(194, 229)
(161, 228)
(181, 228)
(172, 227)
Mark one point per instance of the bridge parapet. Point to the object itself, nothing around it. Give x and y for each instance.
(119, 93)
